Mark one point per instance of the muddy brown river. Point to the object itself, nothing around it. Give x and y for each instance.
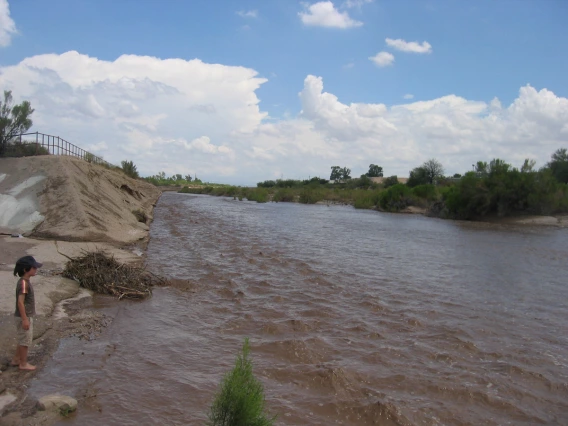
(354, 318)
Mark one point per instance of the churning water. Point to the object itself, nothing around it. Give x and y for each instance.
(354, 318)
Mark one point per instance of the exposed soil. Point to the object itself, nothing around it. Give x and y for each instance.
(78, 200)
(75, 207)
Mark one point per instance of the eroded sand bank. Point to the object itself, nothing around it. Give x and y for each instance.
(62, 206)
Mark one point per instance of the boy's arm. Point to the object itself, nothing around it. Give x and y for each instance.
(22, 307)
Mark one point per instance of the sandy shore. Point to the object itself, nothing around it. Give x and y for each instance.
(59, 199)
(53, 320)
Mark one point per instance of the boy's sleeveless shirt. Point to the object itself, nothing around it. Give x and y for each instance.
(29, 301)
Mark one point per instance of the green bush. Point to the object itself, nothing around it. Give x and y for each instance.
(88, 157)
(426, 191)
(395, 198)
(284, 195)
(266, 184)
(24, 149)
(390, 181)
(366, 199)
(309, 195)
(260, 195)
(240, 398)
(503, 191)
(364, 202)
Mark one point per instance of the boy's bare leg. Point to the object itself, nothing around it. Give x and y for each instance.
(23, 350)
(16, 360)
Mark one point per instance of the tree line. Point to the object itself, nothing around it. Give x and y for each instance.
(494, 187)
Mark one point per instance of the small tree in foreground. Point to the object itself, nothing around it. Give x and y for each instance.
(14, 119)
(240, 398)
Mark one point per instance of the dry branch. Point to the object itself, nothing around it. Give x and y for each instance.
(102, 274)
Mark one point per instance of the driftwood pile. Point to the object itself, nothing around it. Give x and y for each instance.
(102, 274)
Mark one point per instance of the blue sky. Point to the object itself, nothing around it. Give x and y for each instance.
(473, 51)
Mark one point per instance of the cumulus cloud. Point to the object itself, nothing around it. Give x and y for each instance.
(451, 128)
(248, 14)
(143, 107)
(408, 96)
(324, 14)
(185, 117)
(204, 144)
(7, 24)
(409, 46)
(382, 59)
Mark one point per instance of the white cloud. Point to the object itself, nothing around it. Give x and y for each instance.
(324, 14)
(97, 147)
(349, 66)
(409, 46)
(7, 24)
(185, 117)
(204, 145)
(248, 14)
(453, 129)
(408, 96)
(382, 59)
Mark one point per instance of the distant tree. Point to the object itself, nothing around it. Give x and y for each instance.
(417, 177)
(481, 167)
(338, 173)
(498, 167)
(433, 170)
(188, 178)
(390, 181)
(375, 171)
(558, 165)
(457, 176)
(363, 182)
(129, 169)
(528, 166)
(177, 177)
(335, 173)
(14, 119)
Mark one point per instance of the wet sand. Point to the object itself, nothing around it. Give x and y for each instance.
(59, 311)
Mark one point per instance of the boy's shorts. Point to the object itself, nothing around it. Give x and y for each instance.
(25, 337)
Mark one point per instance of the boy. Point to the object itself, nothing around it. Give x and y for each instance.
(26, 267)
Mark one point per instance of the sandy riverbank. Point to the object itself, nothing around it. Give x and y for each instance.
(70, 206)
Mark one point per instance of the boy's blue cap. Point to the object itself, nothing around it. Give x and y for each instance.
(29, 261)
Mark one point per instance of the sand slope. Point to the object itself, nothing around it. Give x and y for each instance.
(65, 198)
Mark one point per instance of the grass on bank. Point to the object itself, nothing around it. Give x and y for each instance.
(500, 192)
(394, 198)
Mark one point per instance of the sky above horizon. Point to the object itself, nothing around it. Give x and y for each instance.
(243, 91)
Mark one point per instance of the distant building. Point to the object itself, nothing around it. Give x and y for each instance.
(381, 179)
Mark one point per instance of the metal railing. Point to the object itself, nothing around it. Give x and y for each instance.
(55, 145)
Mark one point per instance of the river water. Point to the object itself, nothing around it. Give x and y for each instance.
(354, 317)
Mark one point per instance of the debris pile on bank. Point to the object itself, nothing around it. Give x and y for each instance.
(102, 274)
